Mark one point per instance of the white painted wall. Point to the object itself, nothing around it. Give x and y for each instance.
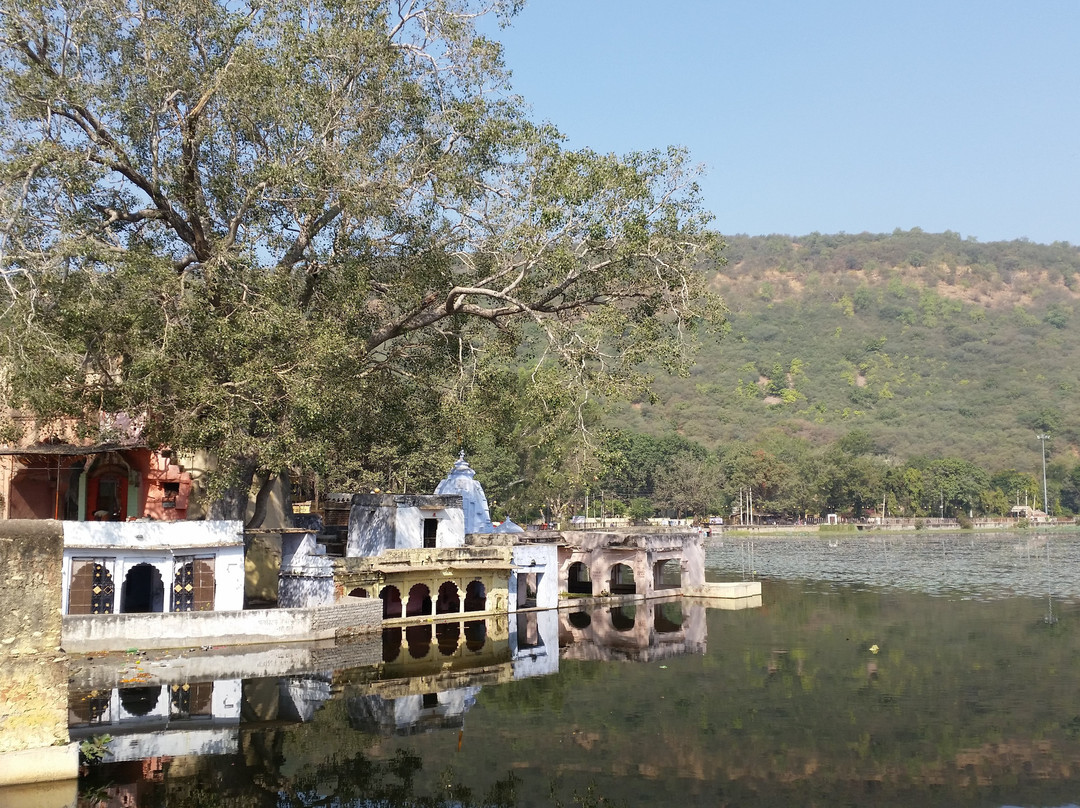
(148, 535)
(410, 527)
(451, 528)
(124, 545)
(544, 560)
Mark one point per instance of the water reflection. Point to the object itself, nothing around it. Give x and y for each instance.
(151, 721)
(420, 685)
(637, 632)
(847, 693)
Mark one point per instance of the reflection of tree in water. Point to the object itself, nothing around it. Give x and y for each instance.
(338, 780)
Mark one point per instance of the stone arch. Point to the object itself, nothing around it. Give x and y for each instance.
(418, 638)
(140, 701)
(391, 598)
(391, 643)
(419, 600)
(448, 601)
(448, 636)
(622, 580)
(579, 619)
(667, 617)
(667, 574)
(623, 617)
(143, 590)
(107, 490)
(475, 634)
(475, 597)
(359, 592)
(578, 579)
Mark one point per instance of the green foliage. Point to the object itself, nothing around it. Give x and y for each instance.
(302, 241)
(94, 750)
(640, 509)
(925, 366)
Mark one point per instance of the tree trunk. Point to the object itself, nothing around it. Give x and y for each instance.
(232, 502)
(265, 481)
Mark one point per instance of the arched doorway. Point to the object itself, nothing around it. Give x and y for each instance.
(579, 619)
(107, 493)
(140, 701)
(623, 617)
(448, 635)
(391, 643)
(391, 598)
(578, 579)
(359, 592)
(475, 597)
(622, 581)
(448, 601)
(475, 634)
(667, 574)
(419, 601)
(143, 590)
(418, 638)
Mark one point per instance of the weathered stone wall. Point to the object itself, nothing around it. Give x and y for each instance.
(354, 614)
(32, 554)
(33, 672)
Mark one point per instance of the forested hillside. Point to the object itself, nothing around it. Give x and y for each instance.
(919, 346)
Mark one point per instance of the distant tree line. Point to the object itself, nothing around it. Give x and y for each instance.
(789, 479)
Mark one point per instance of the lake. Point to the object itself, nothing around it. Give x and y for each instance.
(914, 670)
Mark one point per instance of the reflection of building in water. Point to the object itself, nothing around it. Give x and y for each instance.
(429, 676)
(408, 715)
(155, 720)
(534, 643)
(637, 632)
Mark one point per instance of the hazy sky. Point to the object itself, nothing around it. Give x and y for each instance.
(832, 115)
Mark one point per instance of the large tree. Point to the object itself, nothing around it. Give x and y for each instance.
(288, 229)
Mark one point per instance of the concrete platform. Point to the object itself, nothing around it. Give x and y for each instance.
(39, 766)
(730, 590)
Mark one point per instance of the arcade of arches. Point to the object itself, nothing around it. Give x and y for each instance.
(645, 565)
(417, 601)
(417, 595)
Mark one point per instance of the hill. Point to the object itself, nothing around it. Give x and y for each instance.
(933, 345)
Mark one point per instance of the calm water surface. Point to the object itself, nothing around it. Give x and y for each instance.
(909, 671)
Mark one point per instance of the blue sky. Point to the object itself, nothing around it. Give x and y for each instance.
(828, 116)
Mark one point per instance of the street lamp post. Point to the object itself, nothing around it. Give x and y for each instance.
(1043, 438)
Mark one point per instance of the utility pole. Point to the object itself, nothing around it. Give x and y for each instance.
(1043, 437)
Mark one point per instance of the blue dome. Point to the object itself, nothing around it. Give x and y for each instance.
(509, 526)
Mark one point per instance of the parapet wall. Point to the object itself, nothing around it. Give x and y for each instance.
(110, 632)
